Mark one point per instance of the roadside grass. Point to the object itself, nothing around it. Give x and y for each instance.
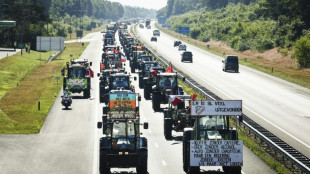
(248, 139)
(19, 112)
(275, 68)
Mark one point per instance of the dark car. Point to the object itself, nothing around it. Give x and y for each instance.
(231, 62)
(177, 43)
(153, 39)
(182, 47)
(187, 56)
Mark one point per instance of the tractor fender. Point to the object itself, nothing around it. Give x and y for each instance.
(105, 143)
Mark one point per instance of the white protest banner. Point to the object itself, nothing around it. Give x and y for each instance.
(216, 107)
(216, 153)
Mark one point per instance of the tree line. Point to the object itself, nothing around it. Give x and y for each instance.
(246, 25)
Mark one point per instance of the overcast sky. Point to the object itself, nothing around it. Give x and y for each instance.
(154, 4)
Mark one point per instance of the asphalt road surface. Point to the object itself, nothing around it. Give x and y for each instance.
(279, 106)
(68, 141)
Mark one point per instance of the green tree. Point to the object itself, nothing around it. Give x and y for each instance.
(302, 51)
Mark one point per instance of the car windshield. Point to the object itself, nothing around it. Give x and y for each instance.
(232, 59)
(119, 130)
(76, 73)
(148, 66)
(167, 81)
(120, 82)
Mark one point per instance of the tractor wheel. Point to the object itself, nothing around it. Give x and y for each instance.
(132, 69)
(141, 82)
(142, 169)
(186, 138)
(147, 91)
(168, 129)
(64, 83)
(193, 170)
(103, 162)
(234, 170)
(156, 101)
(101, 98)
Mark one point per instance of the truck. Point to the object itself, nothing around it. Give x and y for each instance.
(177, 116)
(213, 141)
(147, 22)
(77, 77)
(122, 144)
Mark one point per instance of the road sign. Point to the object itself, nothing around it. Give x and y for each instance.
(79, 33)
(7, 23)
(184, 30)
(216, 153)
(46, 43)
(162, 20)
(166, 25)
(216, 107)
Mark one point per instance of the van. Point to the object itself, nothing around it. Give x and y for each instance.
(231, 62)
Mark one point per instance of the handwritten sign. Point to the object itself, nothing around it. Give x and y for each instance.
(122, 105)
(216, 107)
(216, 153)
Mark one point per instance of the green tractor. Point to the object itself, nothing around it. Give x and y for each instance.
(122, 145)
(166, 84)
(149, 80)
(213, 141)
(177, 115)
(78, 77)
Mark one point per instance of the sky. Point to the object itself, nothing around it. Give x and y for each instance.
(150, 4)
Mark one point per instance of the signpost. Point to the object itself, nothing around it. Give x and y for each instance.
(216, 108)
(121, 103)
(184, 30)
(45, 43)
(216, 153)
(79, 33)
(7, 23)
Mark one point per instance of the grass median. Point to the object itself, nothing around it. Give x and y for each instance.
(24, 82)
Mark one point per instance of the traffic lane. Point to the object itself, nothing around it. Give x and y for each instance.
(64, 144)
(245, 86)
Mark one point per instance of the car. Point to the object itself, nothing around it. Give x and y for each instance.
(177, 43)
(187, 56)
(231, 62)
(156, 33)
(153, 39)
(148, 27)
(182, 47)
(141, 26)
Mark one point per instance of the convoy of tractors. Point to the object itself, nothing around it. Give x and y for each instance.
(208, 138)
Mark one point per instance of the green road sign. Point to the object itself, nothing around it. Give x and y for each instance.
(7, 23)
(57, 78)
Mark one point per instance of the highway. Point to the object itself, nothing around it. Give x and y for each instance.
(279, 106)
(68, 140)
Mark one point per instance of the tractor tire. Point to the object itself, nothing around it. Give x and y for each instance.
(186, 138)
(141, 82)
(147, 91)
(168, 128)
(103, 162)
(232, 170)
(156, 101)
(132, 69)
(142, 169)
(64, 85)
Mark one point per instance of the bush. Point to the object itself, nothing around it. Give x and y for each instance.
(302, 51)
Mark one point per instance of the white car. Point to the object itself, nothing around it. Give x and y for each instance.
(156, 33)
(182, 47)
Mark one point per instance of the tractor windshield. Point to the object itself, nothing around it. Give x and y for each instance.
(77, 73)
(167, 81)
(210, 126)
(121, 129)
(120, 82)
(148, 66)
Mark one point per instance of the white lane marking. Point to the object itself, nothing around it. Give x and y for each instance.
(164, 163)
(150, 131)
(156, 145)
(279, 128)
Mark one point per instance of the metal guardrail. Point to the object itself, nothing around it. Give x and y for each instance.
(56, 54)
(292, 159)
